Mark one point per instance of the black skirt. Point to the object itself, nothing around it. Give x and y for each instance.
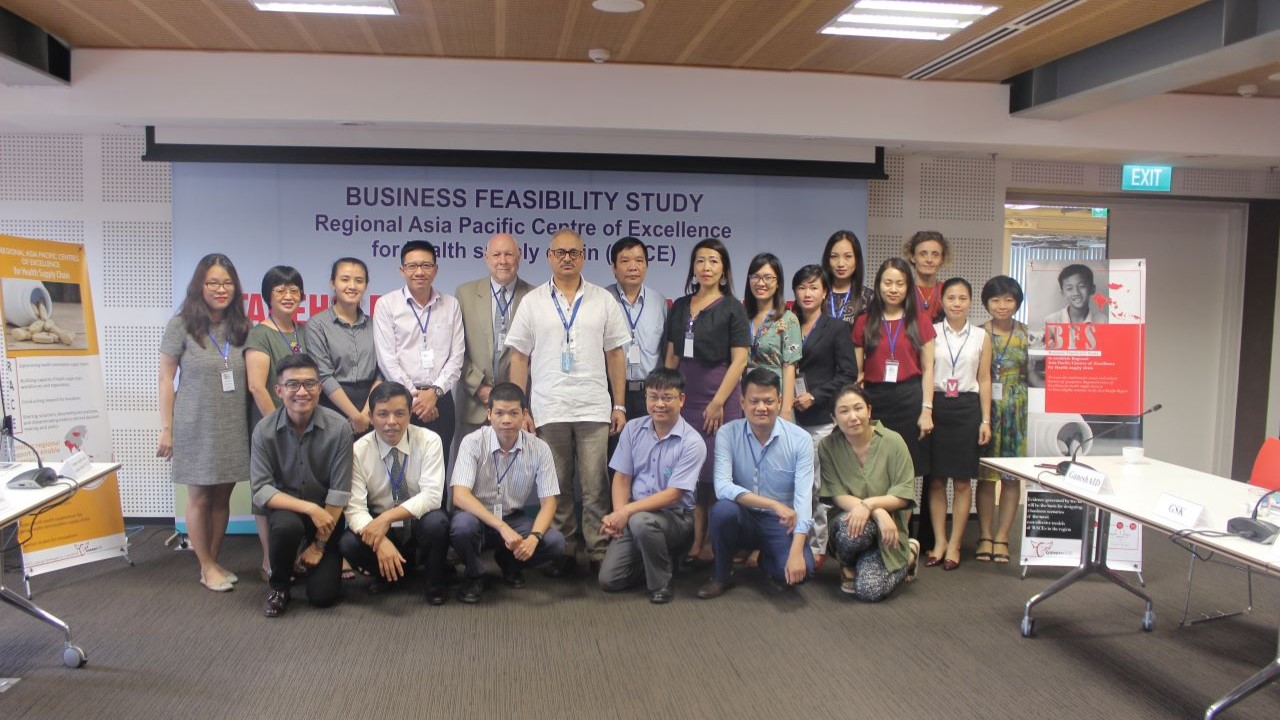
(897, 406)
(953, 444)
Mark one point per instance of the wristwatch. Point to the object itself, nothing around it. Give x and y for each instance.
(317, 544)
(620, 408)
(537, 534)
(438, 391)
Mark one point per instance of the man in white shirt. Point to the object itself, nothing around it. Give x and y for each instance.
(397, 484)
(419, 339)
(570, 337)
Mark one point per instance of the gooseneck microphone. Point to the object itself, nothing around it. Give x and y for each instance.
(1066, 464)
(35, 478)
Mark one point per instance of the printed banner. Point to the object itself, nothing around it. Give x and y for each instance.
(1053, 526)
(53, 388)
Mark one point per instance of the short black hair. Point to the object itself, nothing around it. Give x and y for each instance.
(664, 379)
(762, 377)
(296, 361)
(1083, 271)
(333, 270)
(957, 281)
(280, 275)
(417, 245)
(388, 391)
(627, 243)
(1002, 285)
(506, 392)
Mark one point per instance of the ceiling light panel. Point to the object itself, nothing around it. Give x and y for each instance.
(904, 19)
(332, 7)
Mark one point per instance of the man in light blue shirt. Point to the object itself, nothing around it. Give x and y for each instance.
(646, 313)
(764, 487)
(656, 469)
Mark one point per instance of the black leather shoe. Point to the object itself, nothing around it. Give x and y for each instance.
(514, 578)
(437, 594)
(277, 602)
(714, 588)
(662, 595)
(562, 567)
(377, 586)
(595, 568)
(471, 590)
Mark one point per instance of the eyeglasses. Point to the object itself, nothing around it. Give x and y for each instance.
(571, 254)
(215, 285)
(294, 386)
(287, 291)
(666, 399)
(762, 279)
(415, 267)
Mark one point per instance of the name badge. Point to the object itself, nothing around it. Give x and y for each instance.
(688, 344)
(633, 352)
(566, 360)
(1180, 513)
(1086, 481)
(891, 371)
(397, 524)
(501, 342)
(997, 391)
(228, 381)
(427, 358)
(801, 388)
(953, 387)
(497, 510)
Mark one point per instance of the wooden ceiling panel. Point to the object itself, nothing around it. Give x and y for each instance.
(466, 26)
(267, 31)
(409, 34)
(595, 29)
(668, 30)
(1228, 85)
(794, 38)
(733, 29)
(533, 30)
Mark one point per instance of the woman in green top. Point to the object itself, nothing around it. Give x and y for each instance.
(869, 480)
(269, 342)
(776, 344)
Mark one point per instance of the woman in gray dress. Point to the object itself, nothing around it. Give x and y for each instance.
(204, 434)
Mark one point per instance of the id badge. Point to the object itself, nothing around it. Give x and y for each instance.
(688, 344)
(953, 387)
(228, 381)
(997, 391)
(427, 358)
(501, 341)
(397, 524)
(801, 388)
(633, 353)
(566, 360)
(497, 510)
(891, 371)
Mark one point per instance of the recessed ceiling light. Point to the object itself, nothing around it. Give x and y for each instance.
(903, 18)
(334, 7)
(618, 6)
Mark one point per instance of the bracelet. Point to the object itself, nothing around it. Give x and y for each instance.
(985, 422)
(927, 406)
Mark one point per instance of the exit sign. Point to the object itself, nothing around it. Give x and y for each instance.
(1147, 178)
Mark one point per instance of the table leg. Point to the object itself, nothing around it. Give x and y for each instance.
(72, 656)
(1260, 679)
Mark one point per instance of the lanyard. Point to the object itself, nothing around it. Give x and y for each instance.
(893, 337)
(627, 309)
(225, 352)
(751, 445)
(568, 324)
(396, 481)
(844, 302)
(418, 318)
(500, 476)
(295, 347)
(502, 309)
(933, 292)
(956, 355)
(1000, 358)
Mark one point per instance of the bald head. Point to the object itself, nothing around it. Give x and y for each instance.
(502, 257)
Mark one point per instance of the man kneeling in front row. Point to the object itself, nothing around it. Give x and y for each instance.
(655, 472)
(397, 485)
(496, 468)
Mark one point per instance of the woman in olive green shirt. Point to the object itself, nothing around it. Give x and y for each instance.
(869, 480)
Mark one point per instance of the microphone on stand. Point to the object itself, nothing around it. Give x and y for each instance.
(35, 478)
(1065, 465)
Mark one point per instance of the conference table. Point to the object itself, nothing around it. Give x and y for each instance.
(19, 504)
(1162, 496)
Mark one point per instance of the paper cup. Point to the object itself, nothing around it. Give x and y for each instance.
(1132, 454)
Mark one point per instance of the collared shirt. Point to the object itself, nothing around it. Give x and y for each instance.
(888, 471)
(398, 334)
(315, 466)
(481, 461)
(344, 352)
(649, 315)
(654, 465)
(371, 492)
(785, 466)
(965, 347)
(582, 394)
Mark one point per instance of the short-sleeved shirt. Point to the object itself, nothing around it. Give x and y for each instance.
(848, 305)
(646, 319)
(903, 351)
(343, 351)
(655, 465)
(888, 471)
(481, 463)
(582, 393)
(275, 344)
(776, 343)
(782, 470)
(315, 466)
(720, 327)
(966, 349)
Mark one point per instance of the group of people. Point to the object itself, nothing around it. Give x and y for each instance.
(736, 431)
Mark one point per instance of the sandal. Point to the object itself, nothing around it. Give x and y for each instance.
(1000, 558)
(848, 578)
(913, 563)
(984, 556)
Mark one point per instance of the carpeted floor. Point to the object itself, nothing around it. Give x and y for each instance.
(161, 646)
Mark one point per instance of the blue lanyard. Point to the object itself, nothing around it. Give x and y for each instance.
(418, 318)
(396, 481)
(893, 338)
(751, 445)
(1000, 358)
(831, 299)
(295, 347)
(502, 309)
(225, 352)
(627, 309)
(947, 338)
(568, 324)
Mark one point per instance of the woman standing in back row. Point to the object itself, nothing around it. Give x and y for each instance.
(775, 332)
(341, 341)
(842, 260)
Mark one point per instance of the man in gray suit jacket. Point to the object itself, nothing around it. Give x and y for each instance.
(488, 306)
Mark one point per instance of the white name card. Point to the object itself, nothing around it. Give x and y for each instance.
(75, 466)
(1086, 480)
(1181, 513)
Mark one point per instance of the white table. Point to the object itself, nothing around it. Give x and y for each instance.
(1135, 490)
(20, 503)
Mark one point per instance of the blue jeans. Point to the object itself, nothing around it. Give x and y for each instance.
(735, 527)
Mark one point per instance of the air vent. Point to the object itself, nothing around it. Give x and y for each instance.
(982, 43)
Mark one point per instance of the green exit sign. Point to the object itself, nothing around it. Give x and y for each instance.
(1147, 178)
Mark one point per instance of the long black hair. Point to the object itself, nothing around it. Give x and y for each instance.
(749, 301)
(859, 271)
(726, 278)
(875, 311)
(195, 313)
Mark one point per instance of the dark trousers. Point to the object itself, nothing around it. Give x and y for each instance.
(643, 553)
(287, 531)
(442, 425)
(470, 537)
(735, 527)
(427, 544)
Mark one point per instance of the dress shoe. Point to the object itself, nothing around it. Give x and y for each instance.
(277, 602)
(595, 568)
(223, 585)
(437, 594)
(950, 564)
(662, 595)
(932, 560)
(714, 588)
(562, 567)
(471, 590)
(377, 586)
(514, 578)
(232, 578)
